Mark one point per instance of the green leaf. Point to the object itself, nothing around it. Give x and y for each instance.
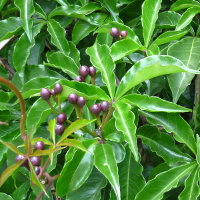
(2, 4)
(51, 129)
(104, 38)
(4, 196)
(60, 61)
(11, 147)
(174, 123)
(198, 149)
(125, 123)
(182, 4)
(148, 68)
(26, 9)
(81, 30)
(21, 192)
(58, 36)
(9, 27)
(101, 59)
(162, 144)
(191, 190)
(34, 140)
(74, 127)
(104, 161)
(9, 171)
(91, 189)
(164, 181)
(76, 171)
(153, 104)
(40, 11)
(187, 17)
(74, 53)
(130, 176)
(123, 48)
(190, 56)
(45, 152)
(153, 50)
(150, 9)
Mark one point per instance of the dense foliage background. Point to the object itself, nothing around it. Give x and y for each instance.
(146, 146)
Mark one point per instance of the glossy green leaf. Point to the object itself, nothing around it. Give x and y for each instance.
(11, 147)
(74, 53)
(190, 56)
(51, 129)
(89, 8)
(130, 177)
(187, 17)
(148, 68)
(21, 192)
(9, 26)
(153, 104)
(153, 50)
(162, 144)
(174, 123)
(118, 150)
(9, 171)
(182, 4)
(26, 9)
(104, 38)
(123, 48)
(101, 59)
(164, 181)
(40, 11)
(5, 196)
(76, 170)
(104, 161)
(150, 9)
(58, 36)
(60, 61)
(76, 125)
(198, 149)
(91, 189)
(125, 123)
(81, 30)
(191, 190)
(2, 4)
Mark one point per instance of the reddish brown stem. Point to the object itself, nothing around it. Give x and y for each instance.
(43, 168)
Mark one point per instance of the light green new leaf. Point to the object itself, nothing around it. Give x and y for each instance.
(123, 48)
(26, 9)
(125, 123)
(51, 129)
(102, 60)
(182, 4)
(163, 182)
(187, 17)
(150, 9)
(173, 123)
(11, 147)
(60, 61)
(162, 144)
(130, 176)
(58, 36)
(148, 68)
(105, 162)
(153, 104)
(191, 190)
(190, 56)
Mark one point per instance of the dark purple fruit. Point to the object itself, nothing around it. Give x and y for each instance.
(21, 157)
(61, 118)
(53, 92)
(114, 32)
(72, 98)
(95, 109)
(45, 93)
(92, 71)
(81, 101)
(83, 71)
(123, 34)
(39, 145)
(59, 129)
(79, 79)
(104, 106)
(37, 170)
(58, 88)
(35, 160)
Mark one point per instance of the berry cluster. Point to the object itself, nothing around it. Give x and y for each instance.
(114, 32)
(60, 119)
(97, 108)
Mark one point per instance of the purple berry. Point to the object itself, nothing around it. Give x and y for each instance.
(81, 101)
(45, 93)
(59, 129)
(79, 79)
(84, 71)
(123, 34)
(37, 170)
(72, 98)
(95, 109)
(39, 145)
(92, 71)
(114, 32)
(58, 88)
(53, 92)
(104, 106)
(21, 157)
(61, 118)
(35, 160)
